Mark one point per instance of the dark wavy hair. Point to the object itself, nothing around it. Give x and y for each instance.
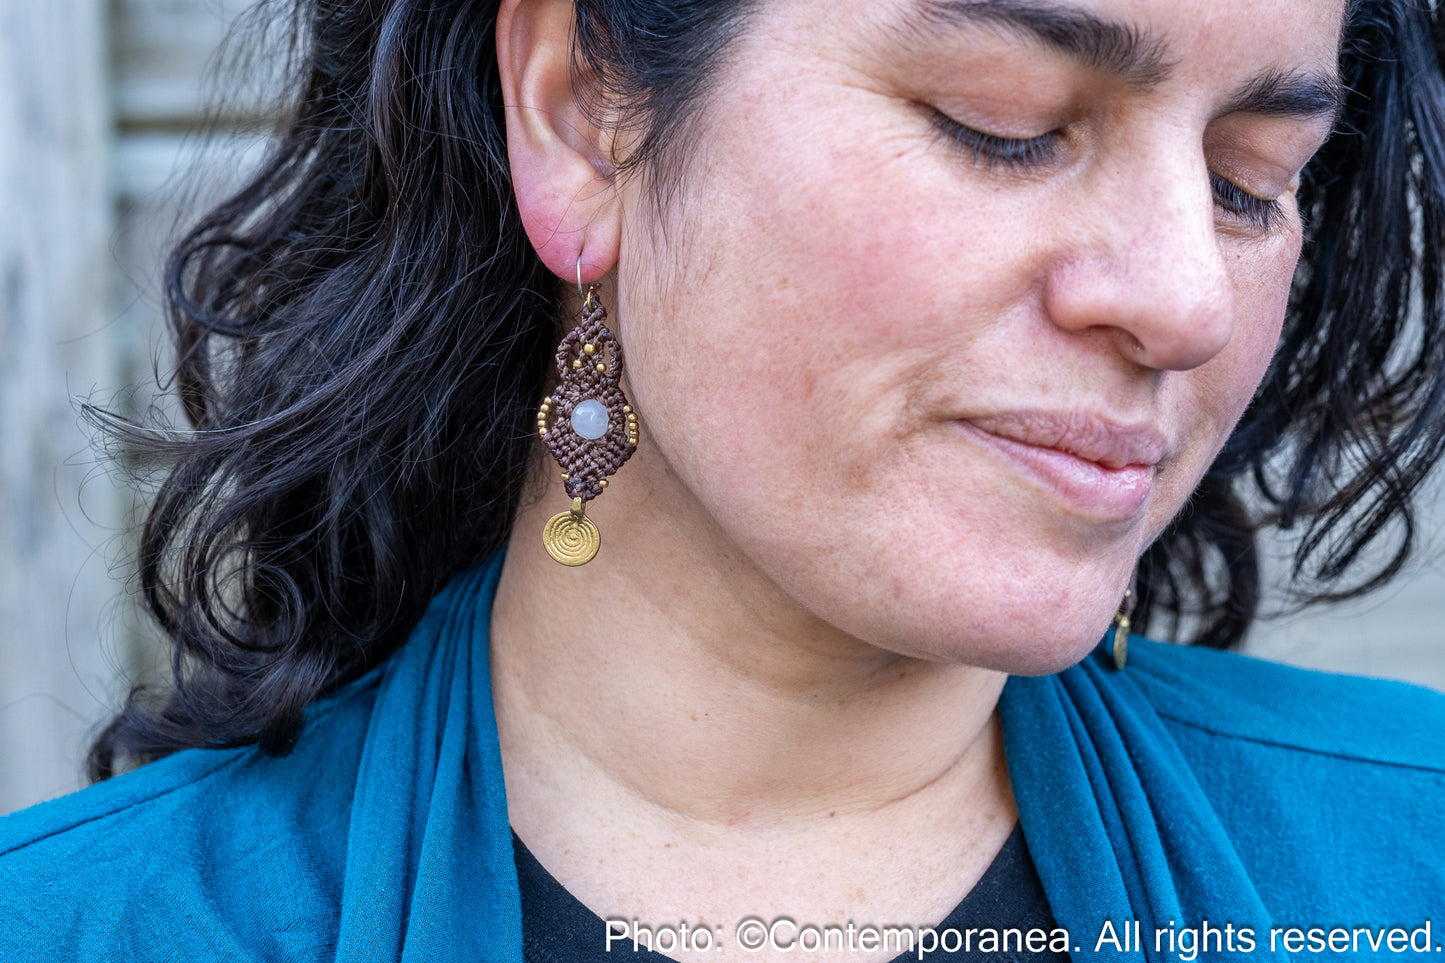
(363, 332)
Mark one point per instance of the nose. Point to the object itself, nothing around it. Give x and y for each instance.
(1144, 262)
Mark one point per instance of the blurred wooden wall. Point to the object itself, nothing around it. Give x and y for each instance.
(56, 342)
(101, 105)
(100, 102)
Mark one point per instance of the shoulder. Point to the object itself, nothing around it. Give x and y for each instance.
(188, 844)
(1232, 784)
(1331, 786)
(1231, 698)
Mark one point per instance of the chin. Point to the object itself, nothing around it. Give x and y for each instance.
(1048, 650)
(1018, 639)
(1032, 657)
(1033, 610)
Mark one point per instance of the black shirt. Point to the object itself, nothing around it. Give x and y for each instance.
(1001, 910)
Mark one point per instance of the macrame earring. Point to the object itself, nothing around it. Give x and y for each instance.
(587, 425)
(1121, 627)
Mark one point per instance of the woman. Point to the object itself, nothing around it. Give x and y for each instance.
(944, 323)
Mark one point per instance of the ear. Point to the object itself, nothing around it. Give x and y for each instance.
(561, 170)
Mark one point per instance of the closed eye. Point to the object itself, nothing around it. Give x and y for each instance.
(993, 150)
(1261, 213)
(1024, 153)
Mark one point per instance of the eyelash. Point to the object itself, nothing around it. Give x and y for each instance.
(1031, 152)
(1235, 199)
(993, 150)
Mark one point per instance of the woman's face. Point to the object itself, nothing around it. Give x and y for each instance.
(957, 300)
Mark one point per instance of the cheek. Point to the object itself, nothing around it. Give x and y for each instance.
(1263, 280)
(792, 307)
(774, 319)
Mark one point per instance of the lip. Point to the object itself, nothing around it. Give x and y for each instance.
(1101, 468)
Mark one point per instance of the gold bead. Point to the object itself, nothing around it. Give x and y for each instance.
(602, 483)
(576, 364)
(627, 409)
(601, 367)
(590, 348)
(565, 476)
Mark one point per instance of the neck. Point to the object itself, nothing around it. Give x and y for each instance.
(685, 682)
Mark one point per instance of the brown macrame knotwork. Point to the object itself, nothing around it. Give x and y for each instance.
(589, 368)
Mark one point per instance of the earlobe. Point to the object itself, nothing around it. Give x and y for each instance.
(561, 171)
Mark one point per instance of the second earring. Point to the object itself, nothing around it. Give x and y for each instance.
(588, 426)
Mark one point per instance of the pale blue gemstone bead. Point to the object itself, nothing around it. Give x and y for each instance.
(589, 419)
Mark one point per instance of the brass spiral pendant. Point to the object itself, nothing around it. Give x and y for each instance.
(570, 537)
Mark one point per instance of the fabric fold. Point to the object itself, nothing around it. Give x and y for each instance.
(430, 873)
(1120, 830)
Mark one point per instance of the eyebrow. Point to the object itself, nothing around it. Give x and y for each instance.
(1290, 93)
(1124, 50)
(1105, 45)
